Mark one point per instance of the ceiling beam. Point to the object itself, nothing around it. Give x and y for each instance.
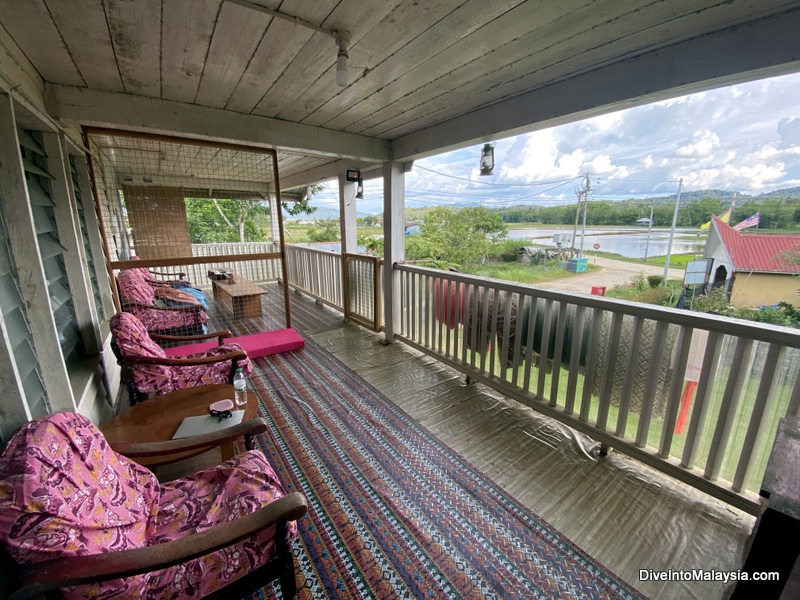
(754, 50)
(324, 172)
(139, 113)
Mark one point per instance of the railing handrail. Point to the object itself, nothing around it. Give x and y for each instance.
(763, 332)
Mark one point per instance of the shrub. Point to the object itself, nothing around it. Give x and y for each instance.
(715, 302)
(654, 281)
(639, 282)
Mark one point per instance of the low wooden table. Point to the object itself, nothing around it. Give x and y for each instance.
(157, 419)
(242, 298)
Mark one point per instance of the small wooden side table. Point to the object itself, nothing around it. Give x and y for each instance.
(157, 419)
(241, 296)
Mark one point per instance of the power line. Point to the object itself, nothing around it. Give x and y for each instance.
(494, 184)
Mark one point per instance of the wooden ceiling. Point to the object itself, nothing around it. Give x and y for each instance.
(424, 75)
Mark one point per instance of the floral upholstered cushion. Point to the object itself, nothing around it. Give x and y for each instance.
(196, 503)
(64, 492)
(134, 288)
(132, 339)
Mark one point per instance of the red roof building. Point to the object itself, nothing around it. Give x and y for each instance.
(755, 268)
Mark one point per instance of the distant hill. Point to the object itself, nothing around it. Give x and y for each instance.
(725, 195)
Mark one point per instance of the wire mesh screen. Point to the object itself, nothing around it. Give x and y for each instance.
(197, 218)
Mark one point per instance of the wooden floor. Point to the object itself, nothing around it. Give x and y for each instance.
(626, 515)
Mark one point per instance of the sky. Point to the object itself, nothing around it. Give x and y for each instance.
(743, 138)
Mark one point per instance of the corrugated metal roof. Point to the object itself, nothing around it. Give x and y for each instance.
(758, 251)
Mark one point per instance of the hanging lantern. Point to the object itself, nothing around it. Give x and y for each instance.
(487, 159)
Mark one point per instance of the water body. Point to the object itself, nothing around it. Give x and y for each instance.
(630, 242)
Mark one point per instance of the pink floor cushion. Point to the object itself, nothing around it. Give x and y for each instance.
(256, 344)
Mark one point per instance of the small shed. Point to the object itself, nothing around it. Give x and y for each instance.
(753, 267)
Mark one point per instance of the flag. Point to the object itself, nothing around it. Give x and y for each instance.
(748, 222)
(725, 218)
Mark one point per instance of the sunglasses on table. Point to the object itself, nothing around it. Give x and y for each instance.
(221, 414)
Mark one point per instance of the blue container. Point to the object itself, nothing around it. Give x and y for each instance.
(577, 265)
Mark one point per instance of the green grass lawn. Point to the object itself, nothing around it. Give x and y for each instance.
(520, 273)
(740, 423)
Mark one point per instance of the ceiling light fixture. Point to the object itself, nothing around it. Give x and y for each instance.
(343, 40)
(487, 159)
(341, 36)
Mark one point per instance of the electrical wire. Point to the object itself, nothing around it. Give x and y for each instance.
(416, 166)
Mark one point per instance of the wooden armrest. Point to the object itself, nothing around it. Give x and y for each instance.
(142, 449)
(64, 572)
(164, 274)
(223, 333)
(184, 362)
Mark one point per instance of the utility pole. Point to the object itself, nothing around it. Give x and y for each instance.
(649, 229)
(672, 232)
(585, 192)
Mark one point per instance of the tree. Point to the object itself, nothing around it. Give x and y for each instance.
(324, 231)
(459, 237)
(214, 220)
(302, 206)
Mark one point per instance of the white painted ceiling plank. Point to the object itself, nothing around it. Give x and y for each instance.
(279, 46)
(84, 29)
(236, 36)
(393, 25)
(318, 56)
(186, 36)
(136, 35)
(32, 28)
(494, 41)
(483, 59)
(385, 50)
(761, 49)
(573, 54)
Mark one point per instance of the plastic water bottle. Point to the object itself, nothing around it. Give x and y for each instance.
(239, 388)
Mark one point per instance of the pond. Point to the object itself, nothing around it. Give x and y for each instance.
(630, 242)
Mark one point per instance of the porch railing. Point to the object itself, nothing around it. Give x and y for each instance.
(695, 396)
(317, 273)
(255, 270)
(362, 290)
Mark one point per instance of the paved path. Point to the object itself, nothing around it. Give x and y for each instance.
(613, 273)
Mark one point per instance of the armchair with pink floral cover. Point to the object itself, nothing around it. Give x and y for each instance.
(146, 369)
(139, 297)
(77, 516)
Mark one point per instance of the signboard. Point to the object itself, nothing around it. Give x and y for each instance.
(696, 271)
(596, 246)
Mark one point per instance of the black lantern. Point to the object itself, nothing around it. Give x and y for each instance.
(487, 159)
(360, 188)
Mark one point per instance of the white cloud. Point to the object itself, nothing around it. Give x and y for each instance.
(702, 145)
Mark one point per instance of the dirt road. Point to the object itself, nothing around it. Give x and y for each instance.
(614, 273)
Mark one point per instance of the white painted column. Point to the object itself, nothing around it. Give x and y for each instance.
(394, 243)
(32, 281)
(347, 214)
(69, 233)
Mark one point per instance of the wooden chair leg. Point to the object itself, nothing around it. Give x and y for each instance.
(288, 581)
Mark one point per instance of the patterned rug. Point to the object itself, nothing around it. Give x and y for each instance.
(392, 512)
